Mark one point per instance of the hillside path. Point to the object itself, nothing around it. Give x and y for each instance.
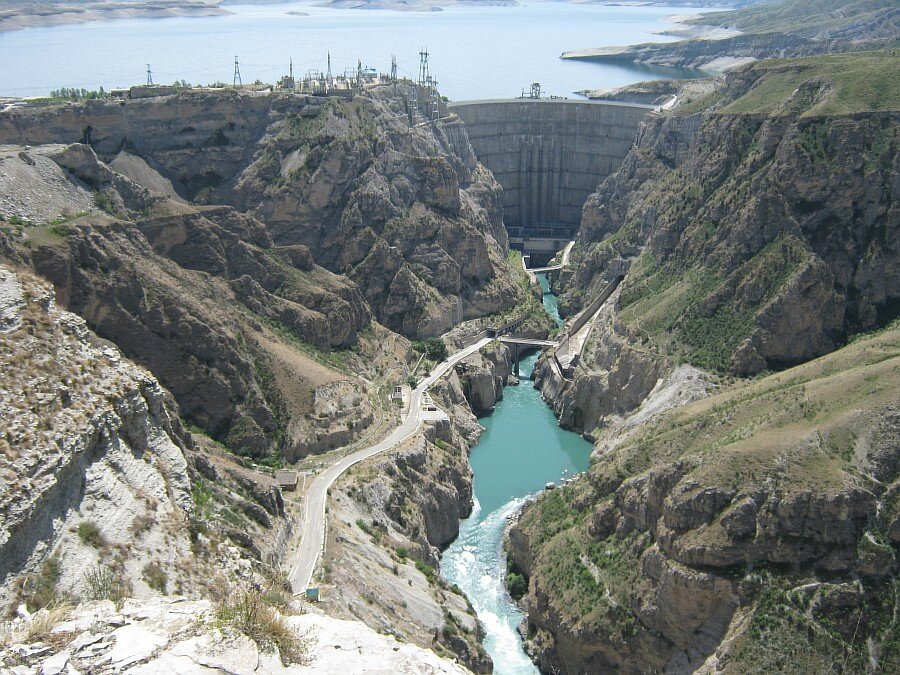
(312, 528)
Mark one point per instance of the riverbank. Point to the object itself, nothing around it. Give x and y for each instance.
(23, 15)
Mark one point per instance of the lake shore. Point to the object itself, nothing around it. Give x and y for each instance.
(21, 16)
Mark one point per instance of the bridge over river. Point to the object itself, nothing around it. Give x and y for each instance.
(549, 155)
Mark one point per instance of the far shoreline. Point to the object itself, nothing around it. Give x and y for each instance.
(14, 19)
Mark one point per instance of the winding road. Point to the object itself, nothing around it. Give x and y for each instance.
(312, 529)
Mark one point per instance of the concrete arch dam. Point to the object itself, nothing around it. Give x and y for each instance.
(549, 155)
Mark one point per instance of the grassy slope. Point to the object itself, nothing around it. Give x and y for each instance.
(798, 16)
(751, 434)
(862, 82)
(660, 303)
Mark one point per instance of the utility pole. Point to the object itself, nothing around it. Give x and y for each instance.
(149, 76)
(237, 74)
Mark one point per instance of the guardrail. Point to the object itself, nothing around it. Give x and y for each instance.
(591, 309)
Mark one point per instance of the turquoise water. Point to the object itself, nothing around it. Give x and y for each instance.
(476, 51)
(522, 449)
(549, 299)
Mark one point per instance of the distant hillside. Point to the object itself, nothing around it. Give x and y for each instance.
(813, 18)
(790, 29)
(850, 83)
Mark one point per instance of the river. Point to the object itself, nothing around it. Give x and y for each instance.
(521, 450)
(476, 51)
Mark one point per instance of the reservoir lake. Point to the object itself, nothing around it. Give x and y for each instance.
(475, 51)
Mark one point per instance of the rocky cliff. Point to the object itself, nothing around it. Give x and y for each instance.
(94, 467)
(761, 218)
(104, 492)
(390, 518)
(754, 529)
(259, 318)
(407, 213)
(756, 228)
(200, 296)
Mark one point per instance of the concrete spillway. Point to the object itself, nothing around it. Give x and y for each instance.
(549, 155)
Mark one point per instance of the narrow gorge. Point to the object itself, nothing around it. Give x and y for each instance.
(339, 375)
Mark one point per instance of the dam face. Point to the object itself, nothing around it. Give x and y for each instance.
(549, 155)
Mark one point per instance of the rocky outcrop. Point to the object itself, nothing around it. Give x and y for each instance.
(729, 530)
(408, 214)
(612, 377)
(391, 519)
(761, 231)
(204, 299)
(483, 376)
(93, 456)
(178, 635)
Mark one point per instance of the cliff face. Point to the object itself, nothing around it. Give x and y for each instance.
(756, 528)
(93, 464)
(766, 222)
(257, 318)
(203, 298)
(756, 228)
(103, 493)
(408, 214)
(390, 518)
(483, 376)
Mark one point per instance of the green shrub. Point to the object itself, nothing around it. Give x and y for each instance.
(90, 535)
(248, 611)
(433, 348)
(155, 577)
(516, 585)
(101, 583)
(39, 590)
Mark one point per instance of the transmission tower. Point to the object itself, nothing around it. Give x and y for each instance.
(149, 76)
(328, 74)
(359, 76)
(393, 69)
(435, 99)
(423, 66)
(237, 74)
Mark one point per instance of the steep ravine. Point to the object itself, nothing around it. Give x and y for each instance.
(730, 524)
(257, 252)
